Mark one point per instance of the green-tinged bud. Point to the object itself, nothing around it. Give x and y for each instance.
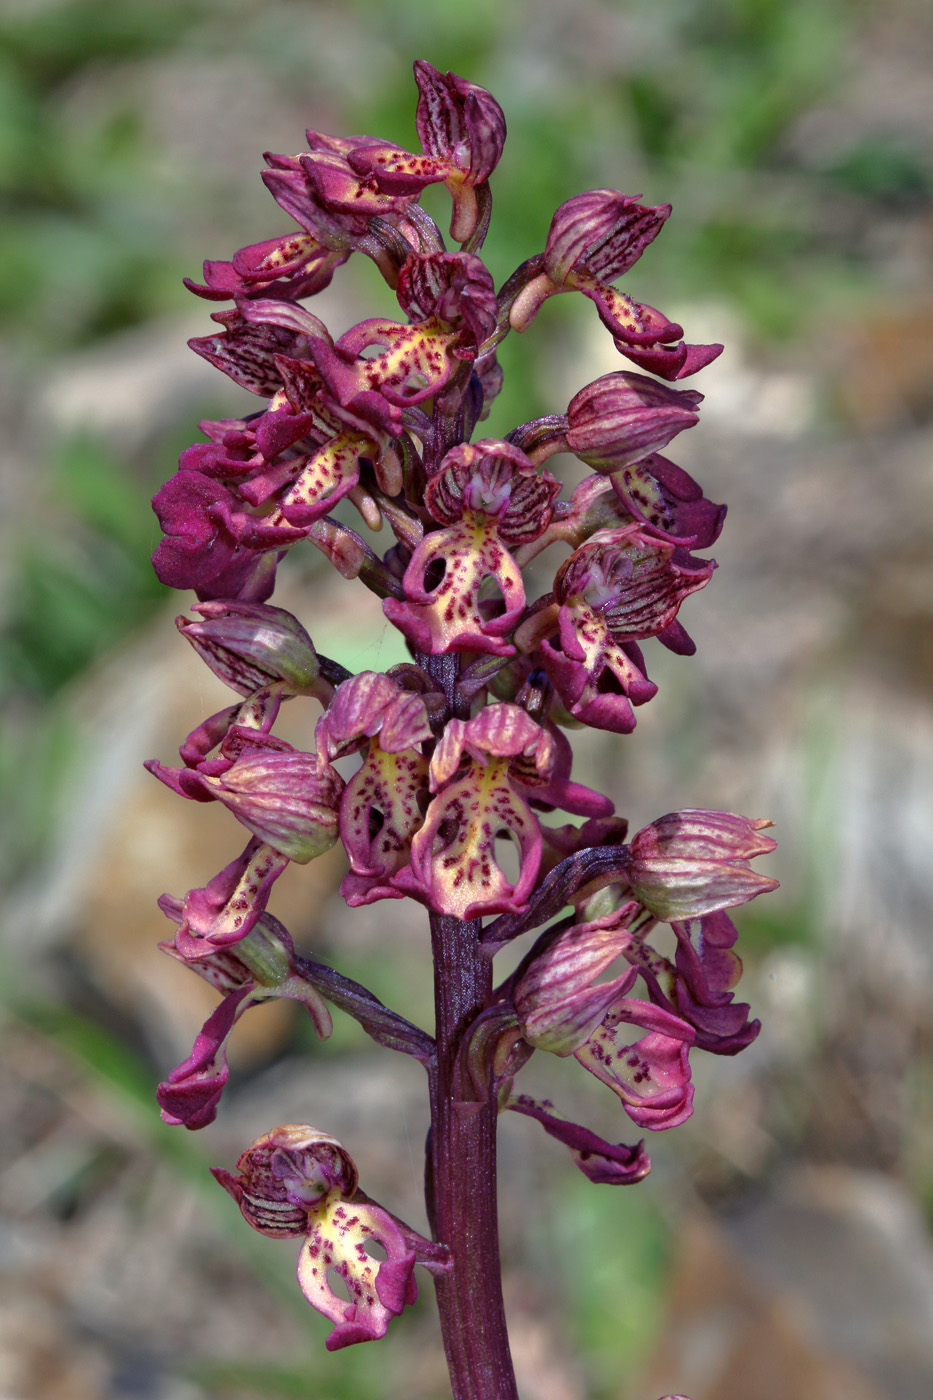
(691, 863)
(251, 645)
(268, 955)
(558, 1000)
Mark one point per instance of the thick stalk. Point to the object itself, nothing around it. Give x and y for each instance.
(462, 1179)
(461, 1167)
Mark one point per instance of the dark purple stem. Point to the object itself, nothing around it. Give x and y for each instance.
(461, 1167)
(462, 1178)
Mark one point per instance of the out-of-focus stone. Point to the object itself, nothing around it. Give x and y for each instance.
(853, 1252)
(728, 1337)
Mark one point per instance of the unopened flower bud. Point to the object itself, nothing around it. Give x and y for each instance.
(250, 645)
(286, 797)
(621, 418)
(558, 999)
(691, 863)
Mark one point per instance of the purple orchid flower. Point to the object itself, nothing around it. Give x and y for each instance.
(292, 267)
(261, 967)
(619, 588)
(462, 750)
(381, 808)
(296, 1180)
(593, 239)
(462, 131)
(488, 496)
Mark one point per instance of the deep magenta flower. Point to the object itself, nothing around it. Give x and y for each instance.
(667, 500)
(292, 267)
(698, 984)
(563, 1008)
(593, 239)
(619, 588)
(383, 803)
(260, 968)
(333, 202)
(230, 905)
(651, 1074)
(212, 546)
(462, 131)
(621, 418)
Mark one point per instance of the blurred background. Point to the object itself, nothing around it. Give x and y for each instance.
(781, 1248)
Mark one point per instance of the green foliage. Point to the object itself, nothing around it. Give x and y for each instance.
(607, 1242)
(49, 43)
(78, 582)
(78, 591)
(83, 247)
(884, 169)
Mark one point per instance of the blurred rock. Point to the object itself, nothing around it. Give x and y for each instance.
(822, 1289)
(853, 1252)
(134, 385)
(41, 1357)
(884, 379)
(728, 1338)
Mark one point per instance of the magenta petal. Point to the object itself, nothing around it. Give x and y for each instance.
(195, 513)
(599, 685)
(603, 231)
(458, 120)
(667, 499)
(559, 1001)
(230, 904)
(707, 970)
(670, 362)
(192, 1091)
(379, 816)
(453, 862)
(367, 705)
(695, 862)
(606, 1163)
(621, 418)
(545, 792)
(457, 288)
(651, 1076)
(292, 268)
(448, 615)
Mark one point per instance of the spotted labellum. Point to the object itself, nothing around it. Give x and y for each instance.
(439, 776)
